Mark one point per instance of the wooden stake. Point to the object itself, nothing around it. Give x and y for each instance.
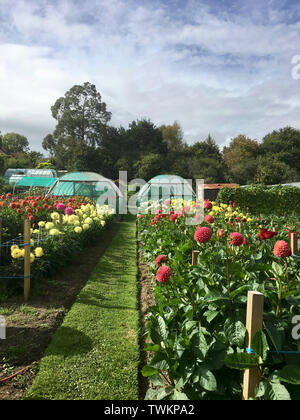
(27, 259)
(294, 243)
(195, 257)
(254, 323)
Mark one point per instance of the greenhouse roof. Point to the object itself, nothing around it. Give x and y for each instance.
(28, 181)
(83, 183)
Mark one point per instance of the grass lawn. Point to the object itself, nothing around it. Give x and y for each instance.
(95, 352)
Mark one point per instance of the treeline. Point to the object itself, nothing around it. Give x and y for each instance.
(84, 140)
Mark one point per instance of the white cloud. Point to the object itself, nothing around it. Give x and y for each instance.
(216, 73)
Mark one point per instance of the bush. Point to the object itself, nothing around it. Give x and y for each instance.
(263, 200)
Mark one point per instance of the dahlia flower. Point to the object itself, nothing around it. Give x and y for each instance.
(39, 252)
(69, 210)
(220, 233)
(16, 253)
(207, 205)
(237, 239)
(159, 260)
(163, 274)
(282, 249)
(202, 235)
(60, 206)
(209, 219)
(266, 234)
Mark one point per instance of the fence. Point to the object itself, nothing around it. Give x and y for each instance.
(21, 241)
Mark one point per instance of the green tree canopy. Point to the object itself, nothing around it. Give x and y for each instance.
(284, 144)
(272, 171)
(81, 120)
(15, 143)
(172, 136)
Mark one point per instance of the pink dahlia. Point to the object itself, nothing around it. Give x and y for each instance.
(159, 260)
(202, 235)
(237, 239)
(220, 233)
(69, 211)
(60, 206)
(163, 274)
(282, 249)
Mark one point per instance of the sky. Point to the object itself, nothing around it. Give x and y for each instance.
(221, 67)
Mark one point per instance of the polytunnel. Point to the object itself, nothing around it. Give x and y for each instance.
(163, 187)
(88, 184)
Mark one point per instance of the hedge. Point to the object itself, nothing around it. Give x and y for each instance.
(260, 199)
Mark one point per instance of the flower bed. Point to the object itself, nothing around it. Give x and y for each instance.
(60, 230)
(197, 326)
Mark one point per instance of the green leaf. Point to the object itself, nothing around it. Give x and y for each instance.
(207, 379)
(276, 391)
(162, 328)
(179, 396)
(260, 344)
(210, 315)
(149, 371)
(152, 347)
(236, 292)
(199, 345)
(214, 297)
(164, 393)
(290, 374)
(277, 269)
(260, 389)
(241, 361)
(235, 332)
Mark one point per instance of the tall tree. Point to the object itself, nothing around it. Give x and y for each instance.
(81, 120)
(172, 136)
(284, 144)
(240, 159)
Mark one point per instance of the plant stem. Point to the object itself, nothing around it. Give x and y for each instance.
(228, 274)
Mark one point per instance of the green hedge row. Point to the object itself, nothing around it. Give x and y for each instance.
(259, 199)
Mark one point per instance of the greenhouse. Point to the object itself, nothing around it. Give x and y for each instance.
(14, 175)
(165, 187)
(88, 184)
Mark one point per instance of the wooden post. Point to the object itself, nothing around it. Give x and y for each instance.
(27, 248)
(195, 257)
(254, 323)
(294, 243)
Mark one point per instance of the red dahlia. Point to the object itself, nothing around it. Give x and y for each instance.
(159, 260)
(163, 274)
(207, 205)
(202, 235)
(209, 219)
(237, 239)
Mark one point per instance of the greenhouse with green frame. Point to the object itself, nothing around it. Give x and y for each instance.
(88, 184)
(163, 187)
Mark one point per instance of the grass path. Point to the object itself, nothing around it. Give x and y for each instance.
(95, 353)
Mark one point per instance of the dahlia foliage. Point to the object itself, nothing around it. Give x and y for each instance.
(197, 326)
